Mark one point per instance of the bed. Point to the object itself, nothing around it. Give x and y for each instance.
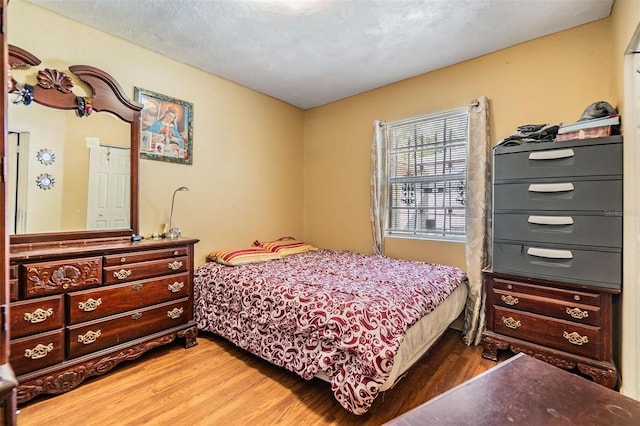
(357, 321)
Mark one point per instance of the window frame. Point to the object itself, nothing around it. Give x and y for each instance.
(439, 233)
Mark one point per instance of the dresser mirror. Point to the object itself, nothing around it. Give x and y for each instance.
(72, 153)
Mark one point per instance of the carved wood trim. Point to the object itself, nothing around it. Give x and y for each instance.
(20, 58)
(56, 277)
(602, 372)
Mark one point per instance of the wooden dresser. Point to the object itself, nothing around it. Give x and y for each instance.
(557, 254)
(79, 309)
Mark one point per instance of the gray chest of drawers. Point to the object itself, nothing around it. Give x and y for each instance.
(558, 211)
(557, 253)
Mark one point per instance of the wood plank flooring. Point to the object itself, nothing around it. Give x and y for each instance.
(216, 383)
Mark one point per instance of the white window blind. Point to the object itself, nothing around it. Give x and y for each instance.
(427, 159)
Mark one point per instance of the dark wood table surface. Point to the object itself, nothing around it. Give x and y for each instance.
(525, 391)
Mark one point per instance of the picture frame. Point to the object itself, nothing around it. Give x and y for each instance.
(166, 127)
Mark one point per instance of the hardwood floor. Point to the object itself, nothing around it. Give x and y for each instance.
(216, 383)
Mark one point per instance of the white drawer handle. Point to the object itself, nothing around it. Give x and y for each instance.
(40, 351)
(551, 220)
(551, 187)
(90, 304)
(39, 315)
(551, 155)
(575, 339)
(577, 313)
(550, 253)
(89, 337)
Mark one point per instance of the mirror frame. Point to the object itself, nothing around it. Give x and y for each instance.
(54, 91)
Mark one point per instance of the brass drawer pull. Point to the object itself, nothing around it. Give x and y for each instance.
(577, 313)
(575, 339)
(122, 274)
(89, 337)
(137, 286)
(175, 265)
(123, 259)
(510, 300)
(40, 351)
(90, 304)
(511, 323)
(39, 315)
(175, 287)
(136, 316)
(175, 313)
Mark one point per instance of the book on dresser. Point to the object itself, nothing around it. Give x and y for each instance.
(557, 253)
(589, 129)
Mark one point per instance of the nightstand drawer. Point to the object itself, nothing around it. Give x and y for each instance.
(559, 195)
(102, 302)
(559, 228)
(575, 338)
(582, 314)
(36, 316)
(35, 352)
(99, 334)
(58, 277)
(153, 268)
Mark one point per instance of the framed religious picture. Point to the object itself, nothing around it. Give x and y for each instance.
(166, 127)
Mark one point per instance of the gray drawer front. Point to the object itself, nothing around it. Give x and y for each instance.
(602, 196)
(598, 268)
(594, 160)
(559, 228)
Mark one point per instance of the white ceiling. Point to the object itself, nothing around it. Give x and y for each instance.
(312, 52)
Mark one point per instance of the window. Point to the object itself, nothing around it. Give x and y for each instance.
(427, 176)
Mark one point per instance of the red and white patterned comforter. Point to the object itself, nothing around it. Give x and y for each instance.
(342, 313)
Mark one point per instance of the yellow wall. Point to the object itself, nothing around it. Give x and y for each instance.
(624, 21)
(245, 179)
(547, 80)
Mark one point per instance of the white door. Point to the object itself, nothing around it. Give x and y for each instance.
(109, 186)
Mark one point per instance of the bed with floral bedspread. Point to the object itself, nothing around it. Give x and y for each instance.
(334, 312)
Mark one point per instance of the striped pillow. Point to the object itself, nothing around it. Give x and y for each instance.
(285, 246)
(242, 256)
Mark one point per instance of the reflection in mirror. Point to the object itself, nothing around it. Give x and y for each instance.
(91, 154)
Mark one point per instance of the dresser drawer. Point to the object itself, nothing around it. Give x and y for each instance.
(579, 339)
(558, 159)
(35, 352)
(101, 302)
(99, 334)
(598, 268)
(579, 313)
(570, 296)
(603, 196)
(14, 293)
(143, 256)
(35, 316)
(59, 276)
(153, 268)
(561, 228)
